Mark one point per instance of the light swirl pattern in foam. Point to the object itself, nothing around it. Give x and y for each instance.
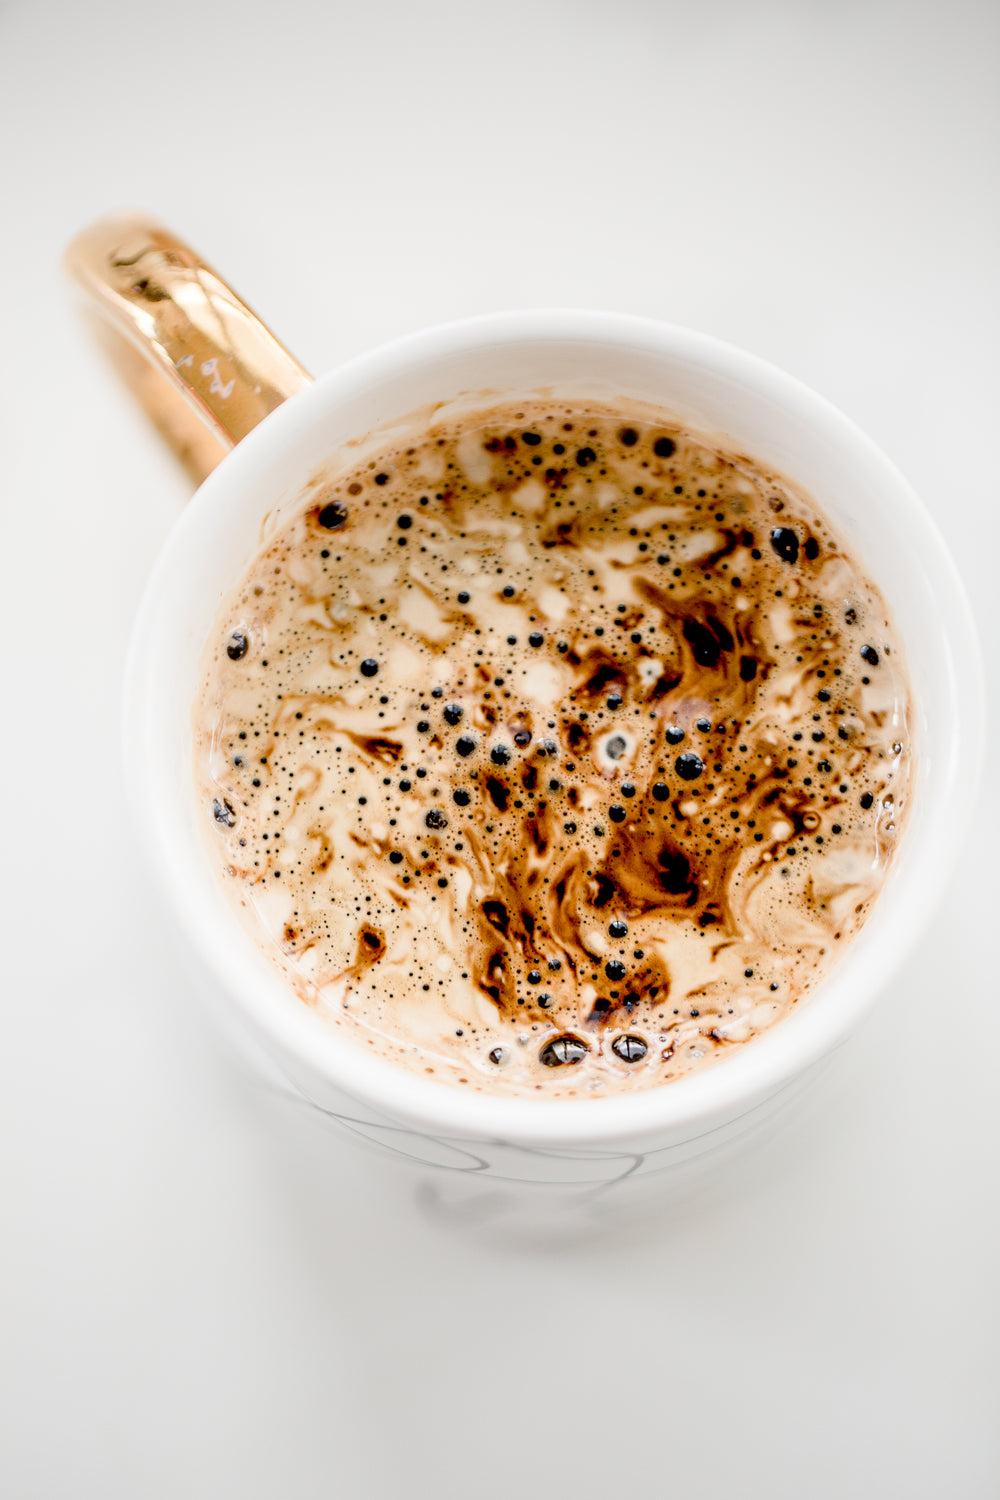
(556, 750)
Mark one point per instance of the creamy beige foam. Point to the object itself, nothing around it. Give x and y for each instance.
(555, 750)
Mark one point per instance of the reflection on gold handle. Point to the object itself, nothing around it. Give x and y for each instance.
(219, 361)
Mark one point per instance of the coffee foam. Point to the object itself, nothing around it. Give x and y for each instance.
(554, 750)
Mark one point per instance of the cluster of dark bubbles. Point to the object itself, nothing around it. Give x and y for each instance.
(785, 543)
(566, 1050)
(688, 766)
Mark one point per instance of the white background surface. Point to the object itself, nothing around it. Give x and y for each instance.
(201, 1293)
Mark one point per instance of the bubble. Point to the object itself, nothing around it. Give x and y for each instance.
(616, 746)
(616, 813)
(536, 639)
(870, 655)
(369, 667)
(630, 1048)
(435, 818)
(333, 516)
(465, 745)
(223, 813)
(664, 447)
(785, 543)
(660, 791)
(674, 734)
(614, 969)
(563, 1051)
(689, 766)
(237, 645)
(618, 929)
(453, 713)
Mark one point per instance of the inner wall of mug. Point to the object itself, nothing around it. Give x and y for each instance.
(716, 391)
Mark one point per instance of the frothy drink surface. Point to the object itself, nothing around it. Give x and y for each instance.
(556, 751)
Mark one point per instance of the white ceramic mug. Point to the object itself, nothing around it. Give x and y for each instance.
(137, 270)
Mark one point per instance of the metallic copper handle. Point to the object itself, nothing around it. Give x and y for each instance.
(215, 354)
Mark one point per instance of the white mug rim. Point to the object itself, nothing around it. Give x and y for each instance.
(694, 1102)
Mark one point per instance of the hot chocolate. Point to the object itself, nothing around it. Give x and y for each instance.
(557, 751)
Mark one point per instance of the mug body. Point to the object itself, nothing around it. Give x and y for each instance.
(718, 392)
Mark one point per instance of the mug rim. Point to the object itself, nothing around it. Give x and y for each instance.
(773, 1059)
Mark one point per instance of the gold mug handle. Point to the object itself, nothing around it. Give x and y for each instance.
(210, 369)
